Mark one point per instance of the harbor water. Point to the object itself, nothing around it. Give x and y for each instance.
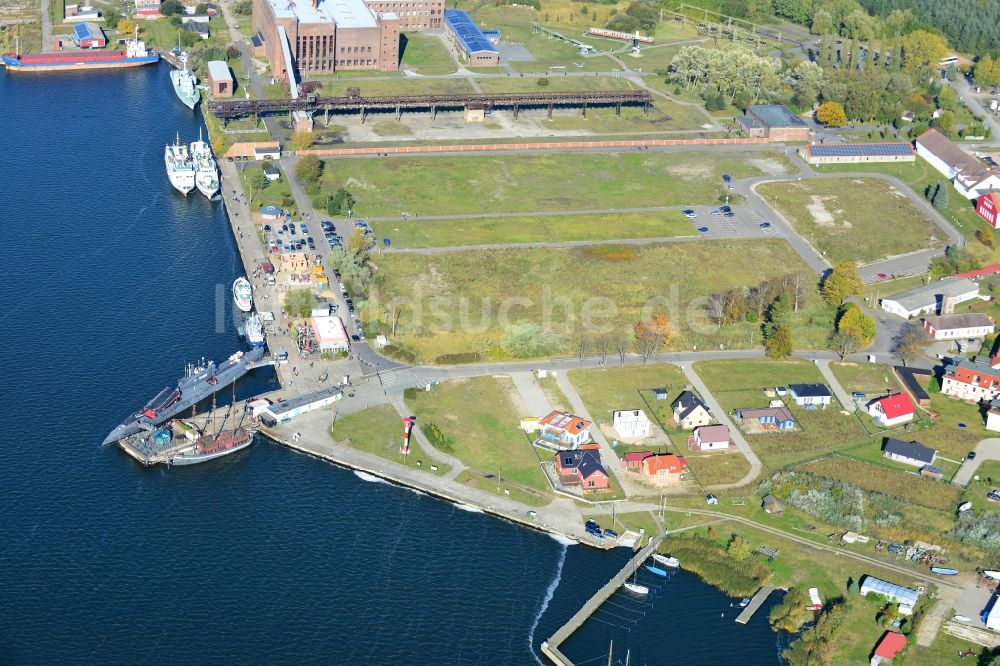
(113, 282)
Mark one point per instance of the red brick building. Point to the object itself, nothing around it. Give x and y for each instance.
(413, 14)
(775, 122)
(582, 467)
(988, 207)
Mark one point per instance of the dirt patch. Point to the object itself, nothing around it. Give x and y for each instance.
(821, 215)
(770, 166)
(691, 171)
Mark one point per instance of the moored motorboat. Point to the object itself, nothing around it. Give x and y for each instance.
(243, 294)
(666, 561)
(944, 571)
(655, 570)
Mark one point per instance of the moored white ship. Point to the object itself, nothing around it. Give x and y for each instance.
(243, 294)
(206, 169)
(180, 169)
(186, 86)
(253, 331)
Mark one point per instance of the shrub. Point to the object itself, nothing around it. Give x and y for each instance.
(457, 359)
(399, 353)
(714, 566)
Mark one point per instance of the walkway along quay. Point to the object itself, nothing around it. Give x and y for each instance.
(550, 648)
(755, 604)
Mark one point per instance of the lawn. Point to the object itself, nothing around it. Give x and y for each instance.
(377, 430)
(907, 486)
(861, 219)
(451, 233)
(867, 378)
(527, 183)
(277, 193)
(482, 423)
(425, 54)
(715, 468)
(555, 83)
(468, 300)
(605, 390)
(919, 175)
(741, 383)
(397, 86)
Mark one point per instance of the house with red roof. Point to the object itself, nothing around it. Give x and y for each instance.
(988, 207)
(892, 409)
(633, 460)
(663, 470)
(581, 467)
(888, 648)
(563, 430)
(711, 438)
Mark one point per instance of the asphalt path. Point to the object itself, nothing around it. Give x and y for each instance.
(987, 449)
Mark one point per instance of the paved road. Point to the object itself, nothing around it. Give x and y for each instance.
(843, 397)
(722, 417)
(46, 21)
(987, 449)
(968, 95)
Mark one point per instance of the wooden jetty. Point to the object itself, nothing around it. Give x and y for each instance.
(755, 604)
(550, 648)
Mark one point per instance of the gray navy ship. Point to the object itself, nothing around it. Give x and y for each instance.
(199, 382)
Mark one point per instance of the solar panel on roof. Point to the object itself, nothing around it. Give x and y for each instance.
(862, 150)
(467, 31)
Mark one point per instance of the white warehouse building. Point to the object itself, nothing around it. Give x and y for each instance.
(931, 298)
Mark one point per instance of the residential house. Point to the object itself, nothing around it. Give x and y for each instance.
(766, 419)
(711, 438)
(581, 467)
(200, 29)
(970, 176)
(810, 395)
(958, 326)
(564, 430)
(147, 8)
(977, 380)
(772, 505)
(663, 470)
(993, 415)
(908, 453)
(633, 460)
(988, 207)
(690, 412)
(272, 173)
(630, 423)
(940, 296)
(892, 409)
(888, 648)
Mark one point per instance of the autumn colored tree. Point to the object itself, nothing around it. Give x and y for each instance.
(842, 282)
(857, 324)
(127, 27)
(922, 49)
(658, 326)
(302, 140)
(831, 114)
(779, 343)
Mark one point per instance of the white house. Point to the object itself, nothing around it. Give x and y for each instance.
(810, 395)
(631, 423)
(286, 410)
(970, 176)
(993, 416)
(711, 438)
(330, 333)
(908, 453)
(690, 412)
(935, 297)
(958, 326)
(564, 430)
(892, 410)
(978, 379)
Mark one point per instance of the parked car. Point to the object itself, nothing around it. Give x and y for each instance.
(703, 230)
(858, 395)
(611, 533)
(726, 209)
(716, 212)
(689, 214)
(972, 455)
(765, 225)
(729, 214)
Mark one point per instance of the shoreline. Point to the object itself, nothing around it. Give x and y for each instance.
(359, 465)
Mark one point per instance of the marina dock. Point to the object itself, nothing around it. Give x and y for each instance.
(755, 604)
(550, 648)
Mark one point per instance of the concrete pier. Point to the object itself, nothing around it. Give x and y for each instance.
(755, 604)
(550, 648)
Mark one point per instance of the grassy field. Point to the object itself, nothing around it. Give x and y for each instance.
(907, 486)
(554, 83)
(919, 175)
(451, 233)
(850, 220)
(277, 193)
(377, 430)
(741, 383)
(865, 377)
(664, 117)
(397, 86)
(426, 54)
(714, 468)
(605, 390)
(483, 424)
(528, 183)
(466, 301)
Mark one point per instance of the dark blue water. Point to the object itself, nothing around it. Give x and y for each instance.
(110, 285)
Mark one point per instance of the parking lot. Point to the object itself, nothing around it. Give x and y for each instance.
(744, 223)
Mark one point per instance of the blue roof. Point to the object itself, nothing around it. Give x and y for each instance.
(861, 149)
(82, 31)
(467, 31)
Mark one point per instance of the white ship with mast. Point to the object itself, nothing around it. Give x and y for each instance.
(186, 86)
(206, 170)
(180, 168)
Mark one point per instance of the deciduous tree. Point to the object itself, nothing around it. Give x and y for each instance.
(909, 342)
(843, 344)
(308, 170)
(922, 49)
(842, 282)
(778, 343)
(856, 324)
(302, 139)
(831, 114)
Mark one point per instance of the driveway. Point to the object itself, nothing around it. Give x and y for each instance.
(987, 449)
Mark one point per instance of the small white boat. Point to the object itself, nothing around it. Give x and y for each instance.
(243, 294)
(666, 561)
(635, 587)
(744, 602)
(963, 618)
